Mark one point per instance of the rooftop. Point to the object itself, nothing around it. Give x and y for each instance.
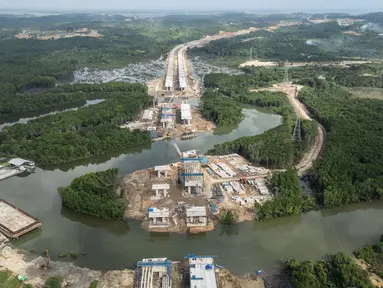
(160, 186)
(186, 112)
(18, 161)
(162, 168)
(196, 211)
(202, 274)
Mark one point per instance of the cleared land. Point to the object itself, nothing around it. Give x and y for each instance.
(343, 64)
(56, 34)
(367, 92)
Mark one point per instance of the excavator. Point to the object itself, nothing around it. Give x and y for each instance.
(47, 265)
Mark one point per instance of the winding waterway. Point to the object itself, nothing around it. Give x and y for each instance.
(243, 248)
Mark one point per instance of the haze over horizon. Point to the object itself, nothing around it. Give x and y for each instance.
(201, 5)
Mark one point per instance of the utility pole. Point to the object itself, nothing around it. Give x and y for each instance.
(297, 134)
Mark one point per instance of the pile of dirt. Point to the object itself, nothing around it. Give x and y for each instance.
(136, 188)
(118, 279)
(228, 280)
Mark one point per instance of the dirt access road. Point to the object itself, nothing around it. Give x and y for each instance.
(292, 94)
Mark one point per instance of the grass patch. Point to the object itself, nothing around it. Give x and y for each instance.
(367, 92)
(93, 284)
(8, 280)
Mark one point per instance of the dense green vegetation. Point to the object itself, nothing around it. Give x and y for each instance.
(66, 94)
(338, 270)
(373, 255)
(351, 168)
(93, 284)
(53, 282)
(228, 217)
(362, 75)
(95, 194)
(306, 42)
(222, 111)
(9, 280)
(80, 134)
(288, 198)
(273, 148)
(41, 64)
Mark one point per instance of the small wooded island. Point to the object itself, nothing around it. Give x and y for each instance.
(97, 194)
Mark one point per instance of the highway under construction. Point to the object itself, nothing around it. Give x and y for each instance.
(178, 78)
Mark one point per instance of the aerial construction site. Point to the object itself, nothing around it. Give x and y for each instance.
(172, 114)
(187, 196)
(192, 272)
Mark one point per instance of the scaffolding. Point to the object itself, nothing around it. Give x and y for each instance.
(192, 175)
(148, 269)
(167, 117)
(196, 216)
(159, 217)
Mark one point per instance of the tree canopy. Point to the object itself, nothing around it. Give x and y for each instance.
(351, 168)
(338, 271)
(288, 199)
(95, 194)
(75, 135)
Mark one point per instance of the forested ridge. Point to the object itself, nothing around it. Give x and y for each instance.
(351, 169)
(96, 194)
(305, 42)
(87, 132)
(273, 148)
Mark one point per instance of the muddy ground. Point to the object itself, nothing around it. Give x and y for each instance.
(138, 190)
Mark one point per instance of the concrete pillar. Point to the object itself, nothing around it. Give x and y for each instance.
(166, 173)
(189, 189)
(156, 193)
(165, 193)
(163, 124)
(191, 219)
(159, 174)
(188, 122)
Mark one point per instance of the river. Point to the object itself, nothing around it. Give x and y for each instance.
(243, 248)
(6, 121)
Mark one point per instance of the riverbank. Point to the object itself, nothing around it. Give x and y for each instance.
(36, 270)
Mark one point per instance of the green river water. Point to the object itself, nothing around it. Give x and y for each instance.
(243, 248)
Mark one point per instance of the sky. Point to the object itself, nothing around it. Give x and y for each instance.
(250, 5)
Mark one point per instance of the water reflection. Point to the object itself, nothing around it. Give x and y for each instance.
(229, 230)
(98, 160)
(156, 236)
(118, 228)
